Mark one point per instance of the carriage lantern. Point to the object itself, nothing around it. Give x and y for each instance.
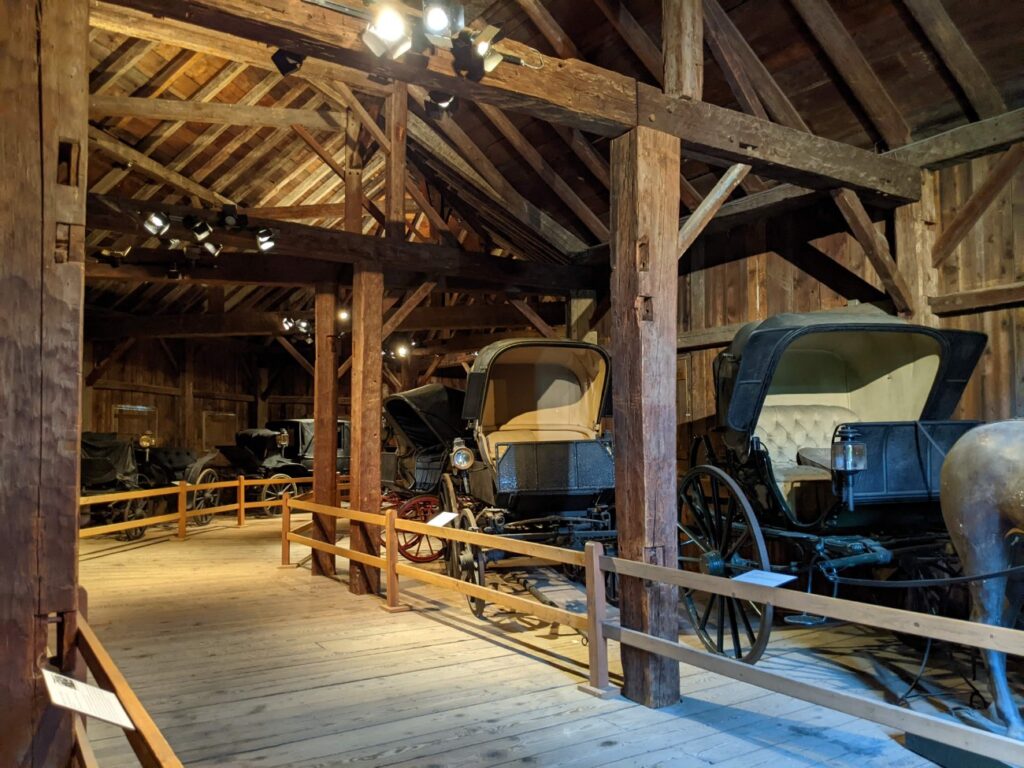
(282, 439)
(462, 457)
(849, 458)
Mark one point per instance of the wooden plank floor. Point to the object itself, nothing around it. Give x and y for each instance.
(245, 664)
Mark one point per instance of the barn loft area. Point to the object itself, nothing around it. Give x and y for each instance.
(291, 277)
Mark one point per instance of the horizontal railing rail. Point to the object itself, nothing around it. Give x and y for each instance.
(943, 730)
(183, 491)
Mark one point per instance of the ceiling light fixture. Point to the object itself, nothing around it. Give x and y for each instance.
(157, 223)
(442, 21)
(388, 32)
(212, 248)
(287, 63)
(264, 239)
(200, 229)
(437, 103)
(287, 323)
(475, 54)
(343, 314)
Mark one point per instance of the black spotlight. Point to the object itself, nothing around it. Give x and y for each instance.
(287, 63)
(439, 102)
(231, 218)
(200, 229)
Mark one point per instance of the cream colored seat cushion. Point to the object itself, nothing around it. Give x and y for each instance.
(785, 429)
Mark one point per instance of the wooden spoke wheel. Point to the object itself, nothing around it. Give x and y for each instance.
(206, 499)
(131, 510)
(418, 547)
(464, 561)
(274, 493)
(719, 535)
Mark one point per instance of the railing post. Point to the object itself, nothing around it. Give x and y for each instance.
(241, 500)
(391, 558)
(182, 508)
(286, 527)
(597, 644)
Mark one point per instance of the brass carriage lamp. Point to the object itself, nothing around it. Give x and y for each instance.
(849, 458)
(282, 439)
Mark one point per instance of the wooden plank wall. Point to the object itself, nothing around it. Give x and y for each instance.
(767, 284)
(225, 381)
(991, 254)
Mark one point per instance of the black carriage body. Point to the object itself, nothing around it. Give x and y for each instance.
(785, 387)
(425, 423)
(300, 442)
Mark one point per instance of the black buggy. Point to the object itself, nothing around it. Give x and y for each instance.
(281, 451)
(831, 431)
(536, 464)
(108, 465)
(423, 425)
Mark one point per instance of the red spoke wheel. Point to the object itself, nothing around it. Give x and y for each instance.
(418, 547)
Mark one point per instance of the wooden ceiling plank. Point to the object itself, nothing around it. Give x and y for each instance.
(853, 67)
(979, 202)
(117, 64)
(165, 77)
(957, 56)
(875, 248)
(525, 148)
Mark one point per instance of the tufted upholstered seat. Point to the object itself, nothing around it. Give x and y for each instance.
(545, 433)
(785, 429)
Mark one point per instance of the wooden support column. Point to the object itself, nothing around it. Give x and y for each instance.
(645, 207)
(682, 33)
(325, 423)
(580, 315)
(916, 229)
(43, 150)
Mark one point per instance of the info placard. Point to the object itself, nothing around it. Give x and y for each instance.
(764, 578)
(442, 519)
(68, 693)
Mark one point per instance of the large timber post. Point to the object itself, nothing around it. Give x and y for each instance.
(43, 147)
(645, 216)
(325, 423)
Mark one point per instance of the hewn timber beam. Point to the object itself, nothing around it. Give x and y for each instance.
(707, 338)
(151, 266)
(855, 70)
(710, 205)
(112, 357)
(875, 248)
(193, 325)
(297, 212)
(958, 144)
(295, 355)
(150, 167)
(976, 205)
(957, 55)
(978, 300)
(471, 342)
(214, 113)
(475, 316)
(534, 319)
(155, 27)
(569, 92)
(304, 242)
(777, 151)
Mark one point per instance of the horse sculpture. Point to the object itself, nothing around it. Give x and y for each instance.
(983, 506)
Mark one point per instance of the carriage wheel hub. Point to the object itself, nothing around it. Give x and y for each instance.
(712, 564)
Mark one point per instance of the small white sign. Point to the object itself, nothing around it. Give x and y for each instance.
(442, 519)
(68, 693)
(764, 578)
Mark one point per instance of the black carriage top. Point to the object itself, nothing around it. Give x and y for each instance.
(859, 361)
(427, 417)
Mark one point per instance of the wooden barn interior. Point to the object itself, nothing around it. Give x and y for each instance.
(220, 215)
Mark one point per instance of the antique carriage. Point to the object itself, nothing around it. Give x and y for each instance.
(536, 464)
(108, 465)
(282, 450)
(831, 431)
(421, 425)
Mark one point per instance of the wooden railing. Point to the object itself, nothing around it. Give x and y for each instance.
(393, 568)
(182, 513)
(942, 730)
(600, 629)
(149, 745)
